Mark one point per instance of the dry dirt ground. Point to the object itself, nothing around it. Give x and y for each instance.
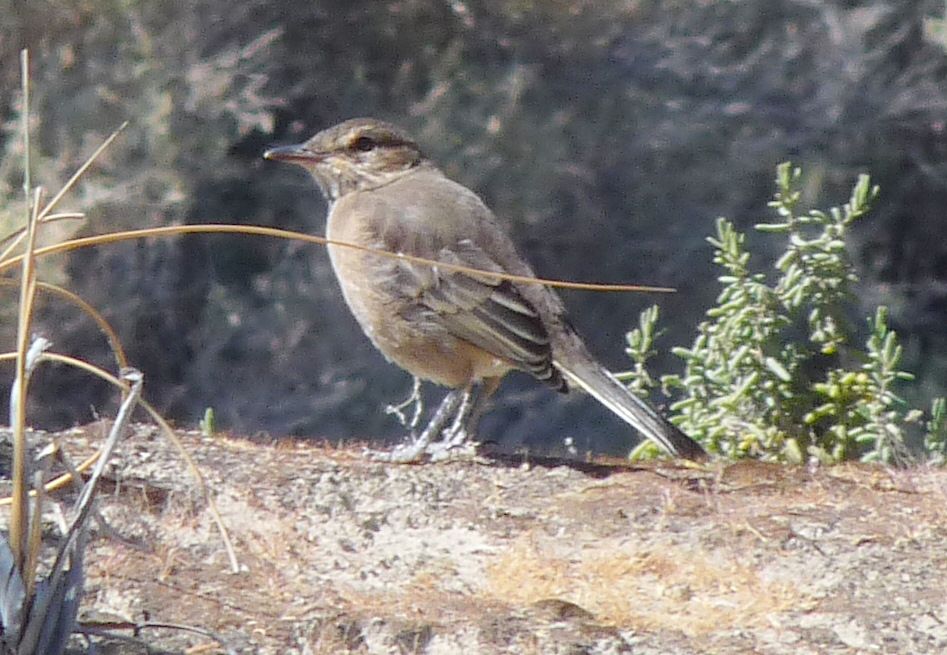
(340, 554)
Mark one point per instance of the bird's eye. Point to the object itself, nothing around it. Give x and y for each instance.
(364, 144)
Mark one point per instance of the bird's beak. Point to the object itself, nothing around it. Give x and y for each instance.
(297, 153)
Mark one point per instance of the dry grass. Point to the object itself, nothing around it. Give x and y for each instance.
(654, 587)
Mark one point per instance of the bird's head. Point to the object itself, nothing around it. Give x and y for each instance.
(357, 155)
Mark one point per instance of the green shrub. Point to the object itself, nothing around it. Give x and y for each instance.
(773, 372)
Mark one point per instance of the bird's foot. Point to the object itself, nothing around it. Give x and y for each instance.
(410, 452)
(414, 399)
(456, 441)
(417, 446)
(455, 444)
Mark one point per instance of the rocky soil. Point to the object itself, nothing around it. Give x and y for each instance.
(499, 554)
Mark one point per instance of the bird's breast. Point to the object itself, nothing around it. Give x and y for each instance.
(383, 295)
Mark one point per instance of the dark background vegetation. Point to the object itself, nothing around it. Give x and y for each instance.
(610, 136)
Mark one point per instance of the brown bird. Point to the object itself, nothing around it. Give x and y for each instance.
(456, 329)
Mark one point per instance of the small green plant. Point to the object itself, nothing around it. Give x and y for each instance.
(208, 424)
(772, 372)
(935, 29)
(935, 441)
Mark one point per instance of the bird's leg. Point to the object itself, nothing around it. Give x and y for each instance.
(459, 424)
(487, 388)
(464, 426)
(455, 435)
(412, 452)
(414, 399)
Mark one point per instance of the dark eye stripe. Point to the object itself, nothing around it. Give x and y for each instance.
(368, 142)
(364, 144)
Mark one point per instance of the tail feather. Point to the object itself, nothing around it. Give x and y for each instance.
(583, 371)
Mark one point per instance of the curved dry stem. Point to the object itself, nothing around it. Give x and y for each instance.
(17, 235)
(165, 428)
(79, 171)
(19, 516)
(121, 359)
(258, 230)
(46, 213)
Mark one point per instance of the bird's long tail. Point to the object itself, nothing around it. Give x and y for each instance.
(581, 369)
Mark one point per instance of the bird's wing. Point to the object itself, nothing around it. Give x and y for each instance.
(485, 311)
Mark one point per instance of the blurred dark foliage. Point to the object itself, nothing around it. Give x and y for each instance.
(609, 135)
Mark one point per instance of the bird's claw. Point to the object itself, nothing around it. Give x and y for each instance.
(454, 444)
